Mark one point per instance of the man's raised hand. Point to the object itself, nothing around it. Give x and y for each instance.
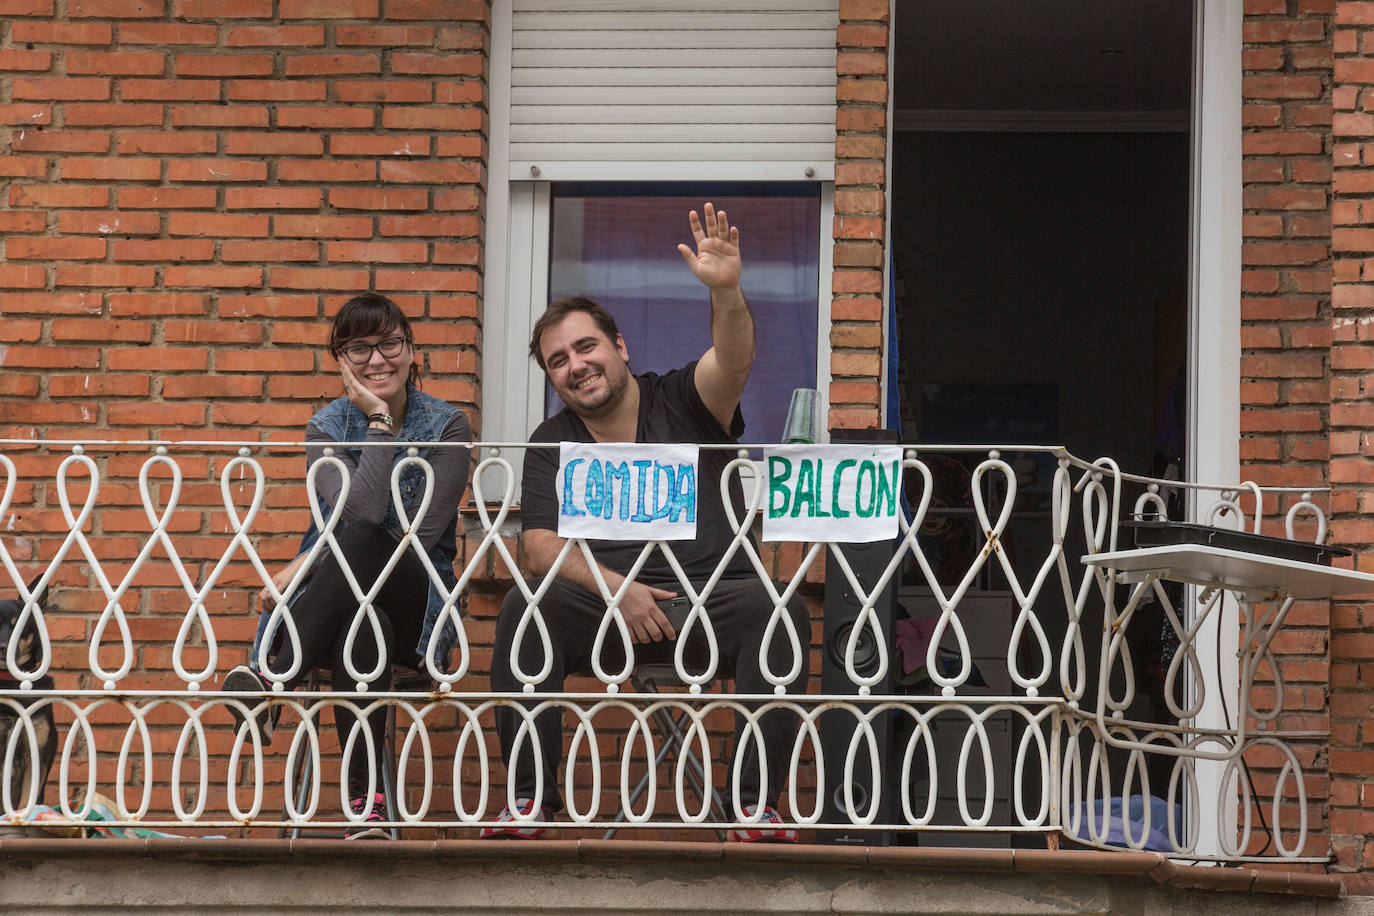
(716, 261)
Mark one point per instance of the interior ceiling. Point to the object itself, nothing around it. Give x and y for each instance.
(1043, 55)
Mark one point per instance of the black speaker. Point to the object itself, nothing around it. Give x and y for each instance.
(842, 606)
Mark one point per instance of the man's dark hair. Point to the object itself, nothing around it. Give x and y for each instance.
(366, 315)
(559, 310)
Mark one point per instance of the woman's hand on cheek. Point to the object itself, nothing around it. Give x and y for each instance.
(360, 397)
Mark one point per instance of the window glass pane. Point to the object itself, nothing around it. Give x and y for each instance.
(617, 243)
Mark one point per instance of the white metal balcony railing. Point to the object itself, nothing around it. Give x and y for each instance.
(1048, 746)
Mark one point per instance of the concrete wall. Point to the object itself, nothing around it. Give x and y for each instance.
(618, 877)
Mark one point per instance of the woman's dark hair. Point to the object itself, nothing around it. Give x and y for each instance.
(559, 310)
(367, 315)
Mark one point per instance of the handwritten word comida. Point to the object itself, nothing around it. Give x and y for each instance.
(842, 493)
(634, 492)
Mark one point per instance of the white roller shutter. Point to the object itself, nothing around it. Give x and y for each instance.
(710, 89)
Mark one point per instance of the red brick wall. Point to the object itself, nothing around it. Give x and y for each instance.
(856, 309)
(1286, 332)
(188, 191)
(1352, 414)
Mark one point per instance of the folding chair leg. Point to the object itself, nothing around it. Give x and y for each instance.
(302, 786)
(389, 769)
(669, 734)
(307, 773)
(674, 744)
(696, 771)
(696, 775)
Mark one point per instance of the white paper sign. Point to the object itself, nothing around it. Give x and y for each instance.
(627, 492)
(839, 493)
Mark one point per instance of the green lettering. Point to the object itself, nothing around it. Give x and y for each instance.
(806, 489)
(820, 489)
(866, 468)
(779, 469)
(887, 489)
(835, 486)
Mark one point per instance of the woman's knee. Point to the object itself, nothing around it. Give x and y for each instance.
(365, 640)
(365, 546)
(362, 532)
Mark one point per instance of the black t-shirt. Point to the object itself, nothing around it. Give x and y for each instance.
(670, 410)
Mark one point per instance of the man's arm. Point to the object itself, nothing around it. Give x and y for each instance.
(724, 368)
(643, 616)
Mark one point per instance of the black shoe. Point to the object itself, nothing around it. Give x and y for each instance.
(242, 679)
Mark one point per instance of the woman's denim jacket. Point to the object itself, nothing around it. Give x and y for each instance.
(424, 421)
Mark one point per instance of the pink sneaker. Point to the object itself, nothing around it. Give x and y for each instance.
(370, 828)
(763, 831)
(508, 828)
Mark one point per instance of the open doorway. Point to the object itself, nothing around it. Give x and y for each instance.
(1040, 208)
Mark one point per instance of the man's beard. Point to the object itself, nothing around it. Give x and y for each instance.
(615, 385)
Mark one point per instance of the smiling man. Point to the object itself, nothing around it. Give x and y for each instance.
(577, 344)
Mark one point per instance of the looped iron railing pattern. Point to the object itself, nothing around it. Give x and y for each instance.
(1051, 746)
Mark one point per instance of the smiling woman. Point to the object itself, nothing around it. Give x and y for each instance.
(386, 379)
(382, 403)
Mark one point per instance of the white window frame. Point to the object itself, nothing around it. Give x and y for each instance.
(502, 371)
(1214, 339)
(1214, 274)
(517, 269)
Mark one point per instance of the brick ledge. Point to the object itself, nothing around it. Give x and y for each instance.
(1126, 863)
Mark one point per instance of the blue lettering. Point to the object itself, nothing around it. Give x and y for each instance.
(569, 510)
(664, 505)
(642, 480)
(685, 493)
(620, 472)
(596, 488)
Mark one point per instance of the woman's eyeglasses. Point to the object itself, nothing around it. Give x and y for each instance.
(360, 353)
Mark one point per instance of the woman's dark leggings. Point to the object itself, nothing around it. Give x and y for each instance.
(324, 612)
